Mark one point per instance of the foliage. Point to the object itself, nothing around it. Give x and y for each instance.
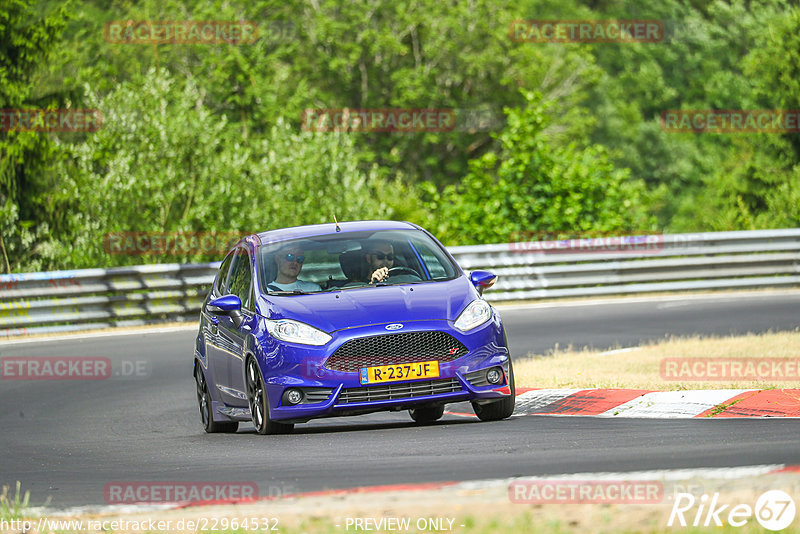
(26, 158)
(201, 137)
(699, 65)
(758, 186)
(531, 186)
(165, 162)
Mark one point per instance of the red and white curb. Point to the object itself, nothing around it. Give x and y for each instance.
(705, 403)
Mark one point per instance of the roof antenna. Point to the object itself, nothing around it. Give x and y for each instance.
(337, 223)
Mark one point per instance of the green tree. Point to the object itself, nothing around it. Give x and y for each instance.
(530, 186)
(165, 162)
(698, 65)
(26, 43)
(374, 54)
(759, 184)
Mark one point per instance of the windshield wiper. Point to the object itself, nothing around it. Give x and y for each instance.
(292, 292)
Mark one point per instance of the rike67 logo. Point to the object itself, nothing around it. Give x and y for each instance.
(774, 510)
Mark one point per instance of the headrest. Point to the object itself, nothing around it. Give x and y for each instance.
(352, 263)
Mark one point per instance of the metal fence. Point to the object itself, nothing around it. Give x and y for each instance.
(97, 298)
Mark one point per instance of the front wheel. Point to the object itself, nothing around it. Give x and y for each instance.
(500, 409)
(204, 401)
(259, 405)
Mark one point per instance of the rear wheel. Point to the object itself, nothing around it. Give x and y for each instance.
(500, 409)
(427, 414)
(204, 401)
(259, 405)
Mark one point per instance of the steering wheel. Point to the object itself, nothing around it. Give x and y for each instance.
(407, 270)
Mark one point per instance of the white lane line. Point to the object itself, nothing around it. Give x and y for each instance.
(77, 335)
(510, 306)
(673, 404)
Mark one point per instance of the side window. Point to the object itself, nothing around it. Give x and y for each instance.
(435, 261)
(220, 287)
(239, 283)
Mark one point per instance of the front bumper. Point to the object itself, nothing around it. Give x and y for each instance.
(335, 393)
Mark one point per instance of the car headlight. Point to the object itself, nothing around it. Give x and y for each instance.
(296, 332)
(477, 313)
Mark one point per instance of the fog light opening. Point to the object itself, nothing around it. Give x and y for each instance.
(292, 396)
(494, 375)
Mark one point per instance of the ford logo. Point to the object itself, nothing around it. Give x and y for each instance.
(394, 326)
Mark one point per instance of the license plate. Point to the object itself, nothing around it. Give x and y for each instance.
(400, 371)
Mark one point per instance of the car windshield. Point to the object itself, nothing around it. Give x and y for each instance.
(346, 260)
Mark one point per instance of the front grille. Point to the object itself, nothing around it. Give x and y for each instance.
(407, 390)
(388, 349)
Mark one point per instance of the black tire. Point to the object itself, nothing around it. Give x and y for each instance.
(204, 401)
(501, 409)
(259, 405)
(427, 414)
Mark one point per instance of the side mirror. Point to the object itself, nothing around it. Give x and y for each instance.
(224, 305)
(482, 280)
(229, 305)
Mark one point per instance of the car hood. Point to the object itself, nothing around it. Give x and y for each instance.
(375, 305)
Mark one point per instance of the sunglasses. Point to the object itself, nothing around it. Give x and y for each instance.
(382, 256)
(292, 257)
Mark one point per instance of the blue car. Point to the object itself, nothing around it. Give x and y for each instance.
(345, 319)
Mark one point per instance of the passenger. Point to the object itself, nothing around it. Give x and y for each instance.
(289, 261)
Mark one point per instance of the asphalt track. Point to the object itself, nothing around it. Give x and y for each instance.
(65, 440)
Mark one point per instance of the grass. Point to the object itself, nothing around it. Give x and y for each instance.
(640, 368)
(13, 507)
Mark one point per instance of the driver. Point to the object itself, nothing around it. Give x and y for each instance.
(379, 257)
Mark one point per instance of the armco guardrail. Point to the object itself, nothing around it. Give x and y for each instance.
(638, 264)
(83, 299)
(96, 298)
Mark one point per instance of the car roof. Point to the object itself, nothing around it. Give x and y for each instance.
(299, 232)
